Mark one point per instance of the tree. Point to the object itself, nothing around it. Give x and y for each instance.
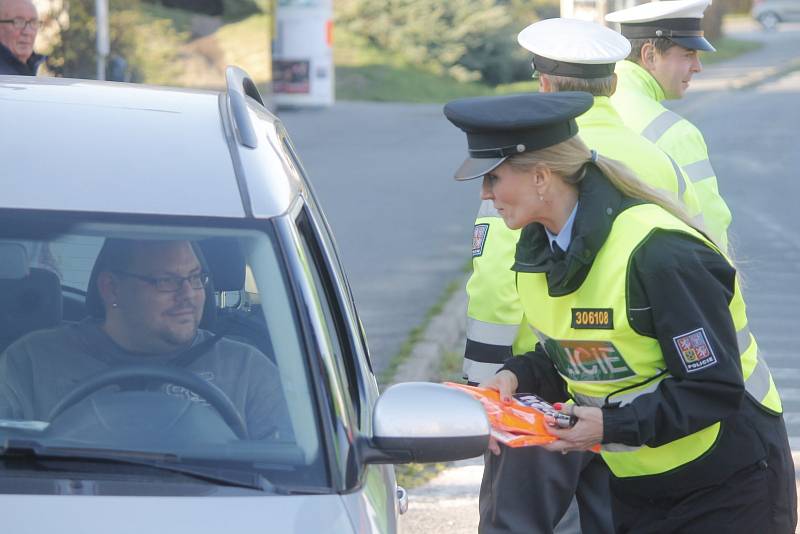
(466, 39)
(149, 47)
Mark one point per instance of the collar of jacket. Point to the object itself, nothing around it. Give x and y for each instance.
(636, 76)
(599, 204)
(28, 68)
(601, 115)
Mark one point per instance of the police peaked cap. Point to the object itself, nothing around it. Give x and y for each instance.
(574, 48)
(676, 20)
(499, 127)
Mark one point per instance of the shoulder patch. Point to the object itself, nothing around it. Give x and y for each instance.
(479, 234)
(695, 350)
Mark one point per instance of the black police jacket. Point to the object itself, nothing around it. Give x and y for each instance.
(9, 64)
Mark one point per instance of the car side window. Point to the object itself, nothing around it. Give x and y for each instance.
(331, 308)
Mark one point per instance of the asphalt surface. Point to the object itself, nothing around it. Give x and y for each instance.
(382, 172)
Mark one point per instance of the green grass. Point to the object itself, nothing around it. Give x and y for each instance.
(246, 43)
(729, 48)
(366, 73)
(414, 475)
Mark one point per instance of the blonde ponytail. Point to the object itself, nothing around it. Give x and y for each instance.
(568, 159)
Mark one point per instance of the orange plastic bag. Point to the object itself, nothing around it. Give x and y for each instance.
(521, 423)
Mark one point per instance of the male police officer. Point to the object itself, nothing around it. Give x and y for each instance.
(567, 55)
(665, 38)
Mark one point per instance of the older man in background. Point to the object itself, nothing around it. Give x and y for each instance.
(19, 24)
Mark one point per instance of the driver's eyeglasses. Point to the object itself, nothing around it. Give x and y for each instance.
(19, 23)
(170, 284)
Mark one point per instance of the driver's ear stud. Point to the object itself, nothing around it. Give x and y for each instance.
(114, 305)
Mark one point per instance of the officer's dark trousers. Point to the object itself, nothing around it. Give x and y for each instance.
(759, 499)
(527, 490)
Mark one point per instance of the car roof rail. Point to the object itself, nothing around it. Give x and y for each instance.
(240, 84)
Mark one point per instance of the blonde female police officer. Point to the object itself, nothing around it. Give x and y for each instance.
(640, 321)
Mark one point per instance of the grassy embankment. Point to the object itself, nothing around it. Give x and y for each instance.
(362, 72)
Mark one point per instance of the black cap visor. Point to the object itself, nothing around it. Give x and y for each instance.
(477, 167)
(687, 32)
(694, 43)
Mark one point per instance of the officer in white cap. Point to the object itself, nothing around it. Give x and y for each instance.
(665, 40)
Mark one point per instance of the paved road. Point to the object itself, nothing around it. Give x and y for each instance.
(403, 225)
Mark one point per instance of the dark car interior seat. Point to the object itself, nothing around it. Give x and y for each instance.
(30, 299)
(225, 261)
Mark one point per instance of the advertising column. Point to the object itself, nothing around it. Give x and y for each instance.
(302, 53)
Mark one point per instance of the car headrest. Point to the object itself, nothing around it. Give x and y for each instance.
(13, 261)
(225, 262)
(29, 303)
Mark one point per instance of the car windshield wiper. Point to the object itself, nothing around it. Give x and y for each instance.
(16, 449)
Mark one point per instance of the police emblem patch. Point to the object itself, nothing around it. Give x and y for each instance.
(695, 350)
(479, 234)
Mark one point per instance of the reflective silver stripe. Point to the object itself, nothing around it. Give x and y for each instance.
(743, 339)
(681, 180)
(487, 209)
(588, 400)
(478, 372)
(660, 125)
(491, 333)
(757, 384)
(618, 447)
(699, 170)
(622, 398)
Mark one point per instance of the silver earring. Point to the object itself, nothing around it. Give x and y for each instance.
(541, 198)
(114, 305)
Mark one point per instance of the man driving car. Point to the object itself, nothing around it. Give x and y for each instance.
(146, 300)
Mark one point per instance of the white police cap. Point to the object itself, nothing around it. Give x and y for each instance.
(677, 20)
(574, 48)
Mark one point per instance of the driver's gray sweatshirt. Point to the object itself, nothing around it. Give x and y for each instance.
(39, 369)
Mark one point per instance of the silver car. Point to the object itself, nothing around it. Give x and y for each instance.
(771, 12)
(284, 431)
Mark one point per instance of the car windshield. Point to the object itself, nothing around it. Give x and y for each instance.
(148, 345)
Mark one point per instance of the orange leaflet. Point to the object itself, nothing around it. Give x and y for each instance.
(521, 423)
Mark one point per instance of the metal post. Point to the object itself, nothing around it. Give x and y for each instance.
(103, 44)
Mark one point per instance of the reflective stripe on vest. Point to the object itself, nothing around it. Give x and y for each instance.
(699, 170)
(491, 333)
(660, 125)
(477, 372)
(679, 178)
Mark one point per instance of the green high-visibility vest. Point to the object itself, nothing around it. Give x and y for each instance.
(603, 359)
(638, 100)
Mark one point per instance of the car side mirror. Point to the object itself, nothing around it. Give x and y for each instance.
(425, 422)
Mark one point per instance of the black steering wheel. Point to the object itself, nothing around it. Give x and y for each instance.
(175, 375)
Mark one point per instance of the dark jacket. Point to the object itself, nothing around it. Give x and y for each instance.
(9, 64)
(675, 284)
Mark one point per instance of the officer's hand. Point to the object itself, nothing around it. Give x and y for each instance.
(494, 446)
(586, 433)
(504, 382)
